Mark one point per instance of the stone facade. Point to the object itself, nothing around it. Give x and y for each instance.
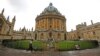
(85, 32)
(6, 27)
(72, 35)
(50, 24)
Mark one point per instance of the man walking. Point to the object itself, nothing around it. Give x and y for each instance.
(30, 46)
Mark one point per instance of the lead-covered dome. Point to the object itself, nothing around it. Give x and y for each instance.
(50, 9)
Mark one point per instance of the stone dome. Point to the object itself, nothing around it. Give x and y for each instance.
(50, 10)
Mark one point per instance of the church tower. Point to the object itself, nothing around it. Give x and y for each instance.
(50, 24)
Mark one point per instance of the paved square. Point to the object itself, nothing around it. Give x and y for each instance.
(13, 52)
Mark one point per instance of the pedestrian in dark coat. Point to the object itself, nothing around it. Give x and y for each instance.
(30, 46)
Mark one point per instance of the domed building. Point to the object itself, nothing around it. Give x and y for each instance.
(50, 25)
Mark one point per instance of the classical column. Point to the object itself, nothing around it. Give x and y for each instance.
(65, 25)
(46, 23)
(38, 24)
(60, 25)
(52, 23)
(56, 24)
(35, 26)
(43, 24)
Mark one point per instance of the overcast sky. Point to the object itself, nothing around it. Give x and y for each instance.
(75, 11)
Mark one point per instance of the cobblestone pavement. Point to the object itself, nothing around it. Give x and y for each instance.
(13, 52)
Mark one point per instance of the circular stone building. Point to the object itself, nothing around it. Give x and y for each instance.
(50, 25)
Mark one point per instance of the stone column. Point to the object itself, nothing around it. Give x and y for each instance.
(38, 24)
(61, 25)
(42, 24)
(56, 24)
(64, 25)
(46, 23)
(53, 23)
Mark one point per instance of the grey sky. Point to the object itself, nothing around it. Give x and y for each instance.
(18, 4)
(75, 11)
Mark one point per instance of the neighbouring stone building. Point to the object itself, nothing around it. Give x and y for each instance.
(50, 25)
(6, 27)
(85, 32)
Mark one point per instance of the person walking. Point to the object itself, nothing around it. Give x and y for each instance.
(30, 46)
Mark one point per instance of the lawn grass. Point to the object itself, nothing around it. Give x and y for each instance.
(42, 45)
(38, 45)
(24, 44)
(70, 45)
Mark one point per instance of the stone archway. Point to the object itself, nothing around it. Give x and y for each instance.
(59, 36)
(50, 36)
(35, 36)
(42, 36)
(65, 36)
(50, 44)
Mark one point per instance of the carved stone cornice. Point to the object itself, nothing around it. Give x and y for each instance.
(50, 16)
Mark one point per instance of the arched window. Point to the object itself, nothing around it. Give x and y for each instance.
(50, 34)
(65, 36)
(59, 35)
(79, 37)
(42, 35)
(35, 36)
(94, 33)
(50, 26)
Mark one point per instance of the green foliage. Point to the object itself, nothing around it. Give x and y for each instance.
(24, 44)
(70, 45)
(40, 45)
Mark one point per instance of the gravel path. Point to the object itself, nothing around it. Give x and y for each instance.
(13, 52)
